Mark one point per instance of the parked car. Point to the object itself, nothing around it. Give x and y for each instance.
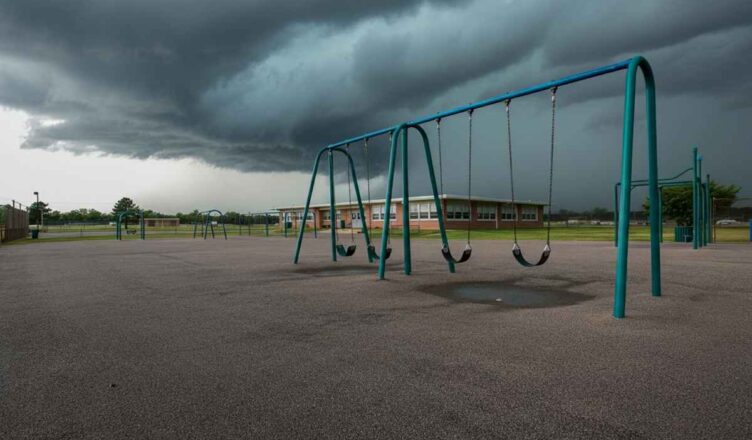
(726, 222)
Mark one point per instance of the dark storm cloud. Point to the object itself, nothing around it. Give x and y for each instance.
(258, 86)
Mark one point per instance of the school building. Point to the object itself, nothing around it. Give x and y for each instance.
(161, 222)
(482, 212)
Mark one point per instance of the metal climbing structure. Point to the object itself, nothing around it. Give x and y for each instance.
(701, 203)
(399, 141)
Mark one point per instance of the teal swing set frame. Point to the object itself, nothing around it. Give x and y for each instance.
(399, 140)
(121, 215)
(207, 225)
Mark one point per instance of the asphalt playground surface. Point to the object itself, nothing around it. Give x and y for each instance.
(211, 339)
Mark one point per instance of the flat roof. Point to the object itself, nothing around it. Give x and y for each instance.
(417, 199)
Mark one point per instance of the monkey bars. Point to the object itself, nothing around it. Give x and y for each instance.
(701, 214)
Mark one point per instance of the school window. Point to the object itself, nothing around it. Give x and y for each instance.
(378, 212)
(299, 215)
(354, 215)
(325, 215)
(414, 211)
(423, 211)
(432, 213)
(458, 211)
(530, 213)
(339, 215)
(507, 212)
(486, 212)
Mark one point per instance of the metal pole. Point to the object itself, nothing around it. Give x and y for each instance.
(435, 190)
(620, 291)
(388, 200)
(655, 216)
(709, 211)
(621, 65)
(700, 204)
(332, 212)
(405, 206)
(695, 199)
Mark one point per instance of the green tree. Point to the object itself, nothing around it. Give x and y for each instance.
(677, 201)
(35, 209)
(599, 213)
(124, 204)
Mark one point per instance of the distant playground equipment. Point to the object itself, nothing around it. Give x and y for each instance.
(207, 222)
(399, 140)
(701, 205)
(262, 221)
(121, 223)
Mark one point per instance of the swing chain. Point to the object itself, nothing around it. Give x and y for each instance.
(332, 215)
(551, 165)
(469, 172)
(368, 170)
(349, 193)
(511, 172)
(441, 167)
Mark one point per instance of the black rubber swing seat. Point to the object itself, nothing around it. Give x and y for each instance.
(374, 255)
(466, 253)
(346, 251)
(517, 252)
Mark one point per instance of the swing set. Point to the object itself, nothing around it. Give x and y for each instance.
(121, 223)
(398, 135)
(204, 219)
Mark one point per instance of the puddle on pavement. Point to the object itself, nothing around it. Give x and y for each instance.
(506, 295)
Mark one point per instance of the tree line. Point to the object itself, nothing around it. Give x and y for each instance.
(677, 206)
(86, 215)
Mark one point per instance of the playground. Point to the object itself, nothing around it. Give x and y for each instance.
(225, 338)
(378, 330)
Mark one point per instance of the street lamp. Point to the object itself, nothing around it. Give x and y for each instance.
(39, 210)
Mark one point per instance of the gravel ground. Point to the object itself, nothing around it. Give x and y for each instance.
(227, 339)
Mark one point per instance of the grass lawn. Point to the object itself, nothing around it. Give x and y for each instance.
(558, 233)
(573, 233)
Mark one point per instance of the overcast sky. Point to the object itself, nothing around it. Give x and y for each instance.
(186, 104)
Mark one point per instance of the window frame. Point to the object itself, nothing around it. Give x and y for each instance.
(526, 211)
(507, 209)
(486, 212)
(458, 211)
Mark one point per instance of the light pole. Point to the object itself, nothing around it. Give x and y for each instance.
(39, 210)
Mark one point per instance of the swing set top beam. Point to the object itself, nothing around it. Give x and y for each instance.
(621, 65)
